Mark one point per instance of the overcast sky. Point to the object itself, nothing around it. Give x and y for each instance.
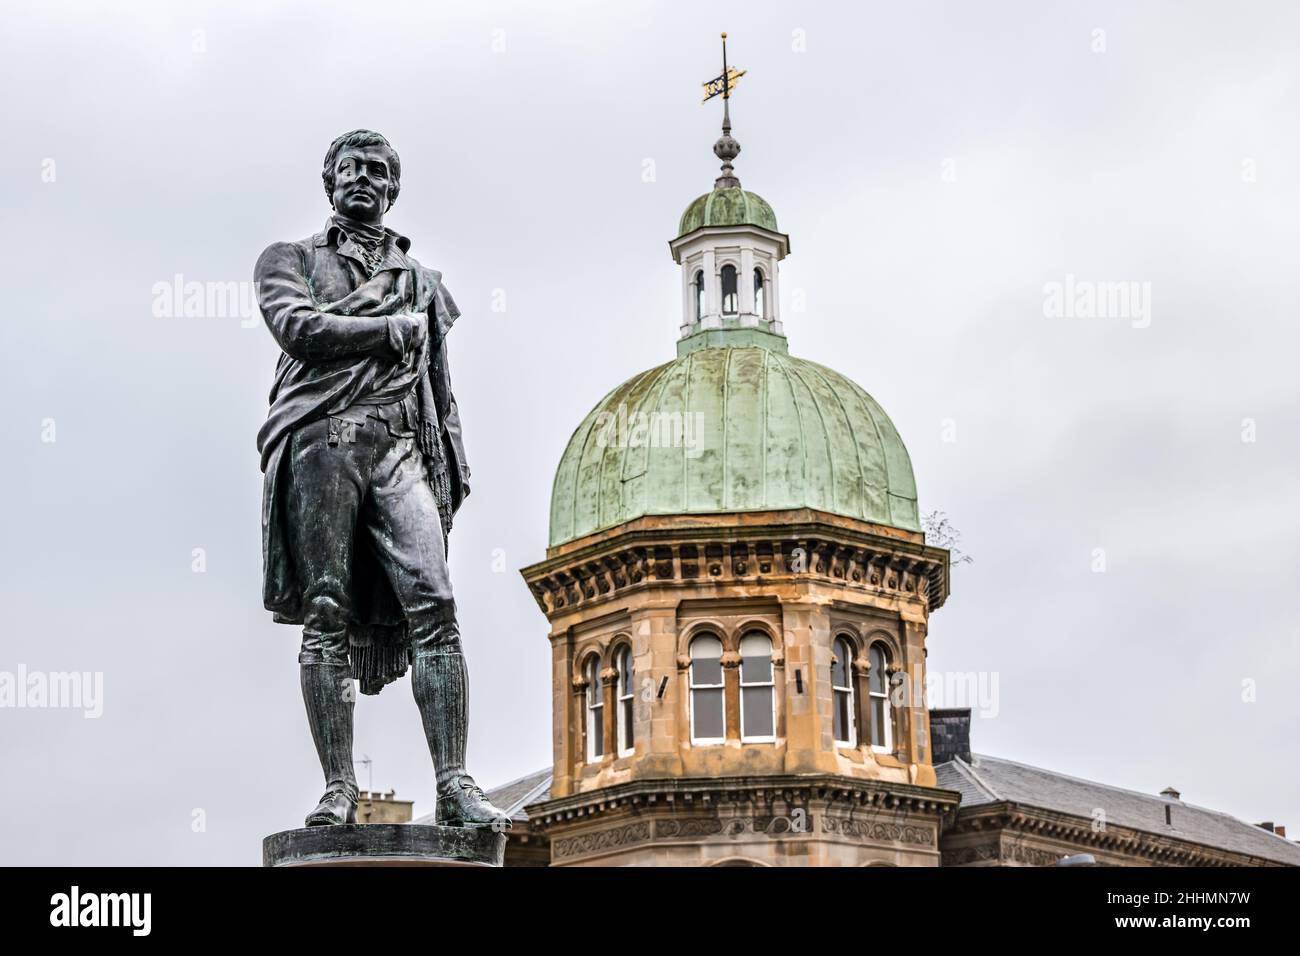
(936, 167)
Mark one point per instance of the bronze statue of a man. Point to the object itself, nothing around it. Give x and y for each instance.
(364, 468)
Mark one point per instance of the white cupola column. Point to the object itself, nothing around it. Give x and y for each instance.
(688, 301)
(746, 290)
(712, 318)
(772, 300)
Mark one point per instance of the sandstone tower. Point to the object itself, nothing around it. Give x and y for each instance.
(738, 592)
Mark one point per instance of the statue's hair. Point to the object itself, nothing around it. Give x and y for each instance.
(361, 137)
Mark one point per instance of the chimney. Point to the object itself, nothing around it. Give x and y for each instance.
(374, 806)
(1169, 793)
(1268, 825)
(950, 734)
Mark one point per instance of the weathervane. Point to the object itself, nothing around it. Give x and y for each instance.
(722, 84)
(726, 148)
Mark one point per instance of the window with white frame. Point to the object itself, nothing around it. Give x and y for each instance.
(882, 732)
(842, 691)
(758, 293)
(729, 290)
(708, 706)
(757, 690)
(595, 711)
(625, 698)
(697, 287)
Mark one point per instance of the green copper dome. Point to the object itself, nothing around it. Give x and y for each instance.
(728, 206)
(729, 427)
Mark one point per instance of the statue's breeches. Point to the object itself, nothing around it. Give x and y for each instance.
(358, 481)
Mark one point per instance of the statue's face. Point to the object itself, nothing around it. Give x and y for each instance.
(361, 181)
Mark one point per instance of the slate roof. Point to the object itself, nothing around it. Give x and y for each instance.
(987, 780)
(992, 780)
(512, 797)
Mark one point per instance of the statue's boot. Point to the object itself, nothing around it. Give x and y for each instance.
(328, 693)
(335, 807)
(441, 684)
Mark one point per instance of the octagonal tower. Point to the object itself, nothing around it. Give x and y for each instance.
(738, 592)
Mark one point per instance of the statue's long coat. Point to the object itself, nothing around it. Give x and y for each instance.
(332, 323)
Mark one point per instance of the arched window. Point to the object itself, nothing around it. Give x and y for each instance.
(882, 733)
(728, 290)
(842, 689)
(697, 286)
(708, 712)
(625, 692)
(757, 700)
(758, 292)
(595, 711)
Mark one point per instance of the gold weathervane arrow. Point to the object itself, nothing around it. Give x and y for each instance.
(724, 82)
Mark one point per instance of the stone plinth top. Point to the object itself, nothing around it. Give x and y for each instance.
(384, 844)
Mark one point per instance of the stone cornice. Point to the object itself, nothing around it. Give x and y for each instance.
(744, 549)
(1158, 849)
(792, 517)
(641, 796)
(675, 246)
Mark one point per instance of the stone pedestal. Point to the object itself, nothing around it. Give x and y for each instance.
(384, 844)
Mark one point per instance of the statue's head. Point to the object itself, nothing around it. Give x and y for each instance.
(362, 175)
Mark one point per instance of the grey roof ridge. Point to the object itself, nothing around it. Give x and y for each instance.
(1137, 793)
(521, 778)
(1106, 786)
(967, 770)
(533, 794)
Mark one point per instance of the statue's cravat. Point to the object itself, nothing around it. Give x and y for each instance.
(369, 239)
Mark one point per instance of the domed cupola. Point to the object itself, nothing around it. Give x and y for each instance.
(729, 206)
(729, 247)
(738, 591)
(735, 423)
(730, 426)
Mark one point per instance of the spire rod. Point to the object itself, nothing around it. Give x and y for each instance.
(726, 148)
(726, 90)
